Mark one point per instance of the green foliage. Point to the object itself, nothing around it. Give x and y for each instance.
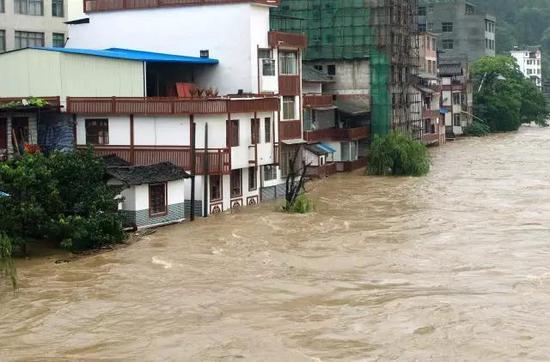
(27, 102)
(477, 129)
(504, 97)
(398, 155)
(302, 205)
(7, 266)
(62, 197)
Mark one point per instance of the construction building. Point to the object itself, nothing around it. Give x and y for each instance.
(463, 29)
(370, 48)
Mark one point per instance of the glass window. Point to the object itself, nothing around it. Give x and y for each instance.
(254, 131)
(58, 40)
(29, 7)
(270, 172)
(2, 40)
(25, 39)
(215, 187)
(331, 69)
(344, 146)
(448, 43)
(2, 6)
(447, 27)
(234, 140)
(267, 62)
(422, 11)
(97, 131)
(57, 8)
(457, 120)
(288, 63)
(252, 179)
(157, 200)
(267, 130)
(289, 109)
(236, 183)
(456, 98)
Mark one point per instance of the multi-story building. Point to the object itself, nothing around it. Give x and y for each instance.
(433, 129)
(154, 104)
(456, 95)
(529, 61)
(25, 23)
(463, 29)
(370, 49)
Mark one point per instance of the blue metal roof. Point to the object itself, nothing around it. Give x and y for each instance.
(137, 55)
(3, 194)
(326, 147)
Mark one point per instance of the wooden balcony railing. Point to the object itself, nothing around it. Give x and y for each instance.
(348, 166)
(430, 138)
(337, 134)
(288, 40)
(108, 5)
(322, 171)
(219, 159)
(289, 85)
(290, 130)
(170, 106)
(317, 100)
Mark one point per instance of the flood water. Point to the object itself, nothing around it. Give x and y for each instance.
(453, 266)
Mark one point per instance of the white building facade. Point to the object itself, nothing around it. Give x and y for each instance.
(530, 64)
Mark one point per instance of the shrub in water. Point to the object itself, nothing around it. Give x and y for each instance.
(398, 155)
(302, 205)
(477, 129)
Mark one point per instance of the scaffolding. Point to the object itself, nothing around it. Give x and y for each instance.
(383, 31)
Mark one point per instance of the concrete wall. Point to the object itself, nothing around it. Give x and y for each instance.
(352, 76)
(47, 24)
(35, 72)
(231, 33)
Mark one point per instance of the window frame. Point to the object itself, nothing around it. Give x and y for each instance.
(55, 6)
(54, 35)
(26, 36)
(254, 131)
(210, 184)
(88, 126)
(22, 7)
(456, 120)
(252, 172)
(234, 133)
(2, 40)
(447, 44)
(267, 130)
(272, 172)
(164, 212)
(232, 178)
(285, 103)
(447, 27)
(285, 57)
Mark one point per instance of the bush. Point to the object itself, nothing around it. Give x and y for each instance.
(477, 129)
(397, 155)
(302, 205)
(62, 197)
(7, 266)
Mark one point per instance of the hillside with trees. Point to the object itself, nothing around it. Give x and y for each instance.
(521, 23)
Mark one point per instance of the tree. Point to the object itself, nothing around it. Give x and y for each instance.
(503, 97)
(61, 197)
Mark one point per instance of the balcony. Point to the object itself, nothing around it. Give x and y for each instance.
(290, 130)
(278, 39)
(337, 134)
(430, 113)
(108, 5)
(322, 171)
(289, 85)
(170, 106)
(219, 160)
(318, 100)
(349, 166)
(430, 138)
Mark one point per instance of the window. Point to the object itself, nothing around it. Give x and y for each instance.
(2, 40)
(349, 151)
(427, 125)
(57, 8)
(422, 11)
(288, 63)
(422, 27)
(236, 183)
(216, 188)
(331, 69)
(447, 27)
(456, 98)
(456, 120)
(267, 130)
(157, 200)
(289, 109)
(25, 39)
(29, 7)
(469, 9)
(267, 62)
(2, 6)
(97, 131)
(318, 67)
(270, 172)
(254, 131)
(233, 141)
(252, 179)
(448, 43)
(434, 44)
(58, 40)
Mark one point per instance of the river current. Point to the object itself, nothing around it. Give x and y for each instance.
(451, 266)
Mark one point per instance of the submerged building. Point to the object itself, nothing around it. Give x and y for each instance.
(370, 48)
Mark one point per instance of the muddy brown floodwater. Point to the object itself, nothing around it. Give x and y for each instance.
(453, 266)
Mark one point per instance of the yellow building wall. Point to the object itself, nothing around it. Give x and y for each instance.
(32, 72)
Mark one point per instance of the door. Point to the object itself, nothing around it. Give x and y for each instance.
(3, 134)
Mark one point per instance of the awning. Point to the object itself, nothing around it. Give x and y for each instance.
(295, 141)
(443, 110)
(326, 147)
(425, 90)
(329, 108)
(353, 107)
(425, 75)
